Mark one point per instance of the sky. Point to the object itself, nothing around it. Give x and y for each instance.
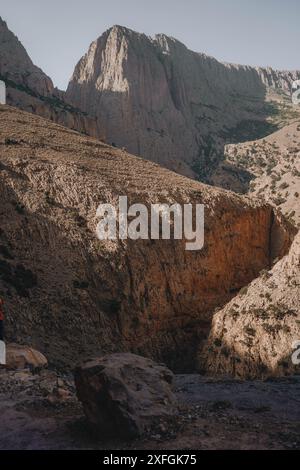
(57, 33)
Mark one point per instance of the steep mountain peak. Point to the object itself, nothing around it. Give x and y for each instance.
(121, 32)
(169, 104)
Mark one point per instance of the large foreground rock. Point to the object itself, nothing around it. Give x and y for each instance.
(124, 394)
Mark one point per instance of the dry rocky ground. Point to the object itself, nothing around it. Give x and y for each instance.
(273, 167)
(41, 411)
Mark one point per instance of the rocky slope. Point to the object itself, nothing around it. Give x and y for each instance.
(254, 335)
(30, 89)
(171, 105)
(69, 294)
(273, 165)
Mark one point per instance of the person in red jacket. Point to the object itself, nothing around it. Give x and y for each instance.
(1, 320)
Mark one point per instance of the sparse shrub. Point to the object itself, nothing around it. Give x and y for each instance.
(11, 142)
(111, 306)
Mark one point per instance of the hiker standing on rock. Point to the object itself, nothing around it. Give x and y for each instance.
(1, 320)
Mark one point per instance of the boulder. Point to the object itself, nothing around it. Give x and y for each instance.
(124, 394)
(22, 357)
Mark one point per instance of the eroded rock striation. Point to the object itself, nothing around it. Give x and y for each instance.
(72, 294)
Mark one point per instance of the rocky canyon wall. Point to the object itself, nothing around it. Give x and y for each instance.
(71, 295)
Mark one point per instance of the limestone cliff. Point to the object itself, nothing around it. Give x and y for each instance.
(171, 105)
(72, 295)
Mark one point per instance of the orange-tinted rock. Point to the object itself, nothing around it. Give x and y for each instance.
(22, 357)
